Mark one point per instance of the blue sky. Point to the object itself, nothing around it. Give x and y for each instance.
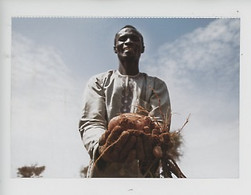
(53, 58)
(82, 40)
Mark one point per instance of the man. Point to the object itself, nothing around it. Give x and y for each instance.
(120, 91)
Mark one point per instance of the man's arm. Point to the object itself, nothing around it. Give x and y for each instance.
(93, 122)
(160, 102)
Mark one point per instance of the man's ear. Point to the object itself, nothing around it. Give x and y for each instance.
(115, 49)
(143, 49)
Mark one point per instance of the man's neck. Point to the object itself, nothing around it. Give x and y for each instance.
(129, 67)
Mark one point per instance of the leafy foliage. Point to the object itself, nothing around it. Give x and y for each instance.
(32, 171)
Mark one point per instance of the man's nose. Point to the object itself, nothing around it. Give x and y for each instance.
(128, 40)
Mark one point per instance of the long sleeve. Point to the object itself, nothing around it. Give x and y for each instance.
(160, 102)
(93, 122)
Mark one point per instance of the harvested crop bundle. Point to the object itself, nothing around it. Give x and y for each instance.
(151, 143)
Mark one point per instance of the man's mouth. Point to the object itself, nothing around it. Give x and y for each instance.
(128, 49)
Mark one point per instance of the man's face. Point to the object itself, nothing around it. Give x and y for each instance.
(128, 44)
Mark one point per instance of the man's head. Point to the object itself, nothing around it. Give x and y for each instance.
(129, 42)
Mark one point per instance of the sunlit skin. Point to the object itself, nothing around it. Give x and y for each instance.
(128, 47)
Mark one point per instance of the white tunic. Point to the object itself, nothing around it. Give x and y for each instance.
(106, 96)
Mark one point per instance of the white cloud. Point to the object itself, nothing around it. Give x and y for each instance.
(203, 55)
(45, 110)
(201, 70)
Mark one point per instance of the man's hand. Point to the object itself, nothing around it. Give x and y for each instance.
(127, 145)
(130, 136)
(117, 147)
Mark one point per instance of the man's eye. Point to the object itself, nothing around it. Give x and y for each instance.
(134, 38)
(122, 38)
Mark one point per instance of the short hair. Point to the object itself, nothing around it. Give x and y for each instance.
(131, 27)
